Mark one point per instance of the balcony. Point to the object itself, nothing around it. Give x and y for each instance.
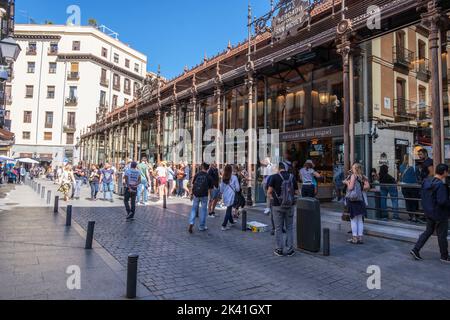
(127, 91)
(402, 58)
(406, 110)
(423, 69)
(31, 51)
(73, 76)
(70, 128)
(71, 102)
(104, 82)
(8, 100)
(116, 87)
(52, 51)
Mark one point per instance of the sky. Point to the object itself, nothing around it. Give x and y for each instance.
(172, 33)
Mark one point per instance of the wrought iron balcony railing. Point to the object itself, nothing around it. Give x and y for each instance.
(104, 82)
(31, 51)
(402, 57)
(406, 110)
(71, 101)
(423, 69)
(73, 76)
(70, 128)
(52, 51)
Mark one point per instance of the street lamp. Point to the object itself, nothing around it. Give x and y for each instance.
(9, 49)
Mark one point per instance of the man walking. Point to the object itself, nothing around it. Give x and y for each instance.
(213, 173)
(79, 175)
(436, 204)
(107, 181)
(283, 189)
(143, 186)
(202, 185)
(23, 174)
(132, 181)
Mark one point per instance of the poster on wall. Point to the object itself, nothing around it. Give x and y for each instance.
(447, 152)
(387, 103)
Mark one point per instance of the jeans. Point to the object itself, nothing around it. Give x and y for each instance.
(358, 226)
(203, 212)
(77, 188)
(308, 191)
(228, 217)
(284, 217)
(143, 187)
(130, 196)
(108, 188)
(441, 228)
(94, 190)
(180, 187)
(411, 205)
(393, 193)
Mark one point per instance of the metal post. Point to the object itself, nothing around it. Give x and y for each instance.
(132, 275)
(49, 197)
(69, 216)
(39, 189)
(55, 210)
(90, 235)
(43, 193)
(165, 198)
(326, 242)
(244, 220)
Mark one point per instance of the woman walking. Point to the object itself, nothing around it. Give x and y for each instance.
(228, 188)
(161, 174)
(94, 181)
(357, 184)
(67, 180)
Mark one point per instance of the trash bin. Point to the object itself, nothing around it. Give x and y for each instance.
(309, 224)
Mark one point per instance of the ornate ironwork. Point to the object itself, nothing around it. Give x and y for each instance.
(283, 8)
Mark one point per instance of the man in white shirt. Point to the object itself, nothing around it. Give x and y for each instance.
(266, 171)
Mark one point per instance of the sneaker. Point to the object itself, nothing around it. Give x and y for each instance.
(278, 253)
(447, 260)
(191, 229)
(267, 211)
(203, 229)
(291, 253)
(416, 255)
(225, 228)
(130, 216)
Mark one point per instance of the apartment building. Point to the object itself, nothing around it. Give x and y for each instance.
(63, 77)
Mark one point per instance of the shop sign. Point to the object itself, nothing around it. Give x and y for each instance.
(293, 15)
(401, 142)
(318, 133)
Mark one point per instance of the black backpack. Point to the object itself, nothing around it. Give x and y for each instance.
(201, 185)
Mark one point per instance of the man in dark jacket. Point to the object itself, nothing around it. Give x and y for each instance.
(436, 204)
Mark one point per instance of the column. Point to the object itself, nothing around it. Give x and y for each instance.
(158, 134)
(194, 137)
(219, 144)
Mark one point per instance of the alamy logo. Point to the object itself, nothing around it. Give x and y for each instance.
(74, 13)
(74, 280)
(374, 280)
(374, 18)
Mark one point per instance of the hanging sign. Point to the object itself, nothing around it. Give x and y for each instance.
(292, 16)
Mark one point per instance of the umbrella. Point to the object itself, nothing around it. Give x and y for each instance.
(28, 160)
(4, 159)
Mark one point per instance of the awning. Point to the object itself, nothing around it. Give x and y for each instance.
(6, 135)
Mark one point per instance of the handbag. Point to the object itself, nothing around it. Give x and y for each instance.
(355, 194)
(239, 200)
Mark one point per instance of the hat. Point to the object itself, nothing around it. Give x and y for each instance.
(310, 162)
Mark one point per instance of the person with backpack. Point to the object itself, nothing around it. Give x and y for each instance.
(408, 177)
(283, 191)
(436, 204)
(228, 188)
(201, 187)
(132, 181)
(355, 199)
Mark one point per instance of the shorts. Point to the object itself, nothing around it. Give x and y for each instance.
(215, 194)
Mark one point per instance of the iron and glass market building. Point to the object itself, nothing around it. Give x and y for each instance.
(342, 81)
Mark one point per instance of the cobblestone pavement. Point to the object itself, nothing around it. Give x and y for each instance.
(238, 265)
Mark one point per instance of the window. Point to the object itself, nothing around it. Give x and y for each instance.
(53, 48)
(73, 92)
(49, 120)
(71, 116)
(52, 67)
(32, 49)
(26, 135)
(27, 116)
(74, 71)
(51, 92)
(48, 136)
(29, 91)
(70, 138)
(7, 115)
(127, 88)
(76, 45)
(116, 82)
(103, 78)
(127, 63)
(136, 67)
(115, 101)
(31, 67)
(116, 58)
(102, 98)
(136, 88)
(104, 53)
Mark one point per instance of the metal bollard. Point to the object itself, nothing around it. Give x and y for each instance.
(132, 275)
(39, 189)
(90, 235)
(49, 197)
(326, 242)
(165, 200)
(56, 207)
(43, 193)
(69, 216)
(244, 220)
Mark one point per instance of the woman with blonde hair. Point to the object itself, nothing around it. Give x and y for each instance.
(67, 180)
(357, 185)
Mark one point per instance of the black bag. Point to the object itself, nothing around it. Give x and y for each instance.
(239, 199)
(201, 186)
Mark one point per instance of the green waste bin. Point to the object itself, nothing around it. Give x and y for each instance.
(309, 224)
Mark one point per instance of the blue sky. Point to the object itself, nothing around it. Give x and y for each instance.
(173, 33)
